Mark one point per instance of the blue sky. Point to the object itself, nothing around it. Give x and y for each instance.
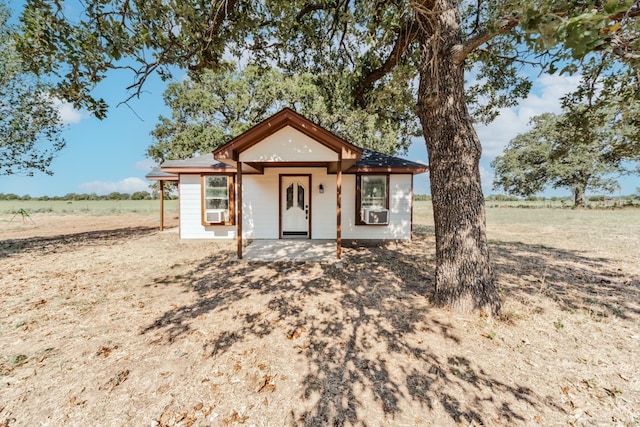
(108, 155)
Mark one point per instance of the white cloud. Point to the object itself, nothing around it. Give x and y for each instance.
(545, 98)
(145, 165)
(127, 185)
(68, 113)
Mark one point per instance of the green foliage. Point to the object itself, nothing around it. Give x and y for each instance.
(30, 126)
(211, 108)
(502, 198)
(373, 47)
(585, 147)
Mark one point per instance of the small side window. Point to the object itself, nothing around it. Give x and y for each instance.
(217, 199)
(372, 199)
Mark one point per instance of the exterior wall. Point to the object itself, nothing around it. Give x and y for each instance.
(191, 210)
(288, 145)
(260, 208)
(399, 226)
(260, 203)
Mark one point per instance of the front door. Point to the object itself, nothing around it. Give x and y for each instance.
(294, 206)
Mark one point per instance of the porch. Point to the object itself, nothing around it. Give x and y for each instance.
(300, 250)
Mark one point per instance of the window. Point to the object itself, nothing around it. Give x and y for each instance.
(372, 199)
(217, 200)
(300, 196)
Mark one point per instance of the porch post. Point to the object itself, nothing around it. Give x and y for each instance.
(239, 202)
(339, 207)
(161, 205)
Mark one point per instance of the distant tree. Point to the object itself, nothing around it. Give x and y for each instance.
(140, 195)
(211, 108)
(30, 125)
(587, 147)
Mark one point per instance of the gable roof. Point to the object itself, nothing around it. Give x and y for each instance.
(354, 158)
(229, 153)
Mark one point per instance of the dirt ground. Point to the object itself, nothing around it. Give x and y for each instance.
(107, 322)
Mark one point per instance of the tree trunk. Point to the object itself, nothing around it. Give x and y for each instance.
(578, 196)
(464, 278)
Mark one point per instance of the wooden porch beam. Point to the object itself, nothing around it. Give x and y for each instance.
(339, 209)
(161, 205)
(239, 210)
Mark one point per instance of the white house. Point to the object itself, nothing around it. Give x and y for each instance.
(288, 178)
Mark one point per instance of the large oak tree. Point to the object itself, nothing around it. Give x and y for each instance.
(426, 45)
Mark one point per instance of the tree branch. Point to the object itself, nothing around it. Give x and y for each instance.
(623, 49)
(309, 8)
(460, 51)
(514, 58)
(216, 17)
(405, 37)
(632, 12)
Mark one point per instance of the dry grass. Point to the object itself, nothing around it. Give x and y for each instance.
(113, 323)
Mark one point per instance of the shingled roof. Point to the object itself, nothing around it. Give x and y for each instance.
(157, 174)
(203, 163)
(374, 161)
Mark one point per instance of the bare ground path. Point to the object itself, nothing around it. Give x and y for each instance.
(112, 323)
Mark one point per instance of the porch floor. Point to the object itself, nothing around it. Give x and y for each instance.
(291, 250)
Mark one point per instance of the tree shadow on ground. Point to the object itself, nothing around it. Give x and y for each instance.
(576, 282)
(368, 332)
(67, 242)
(573, 280)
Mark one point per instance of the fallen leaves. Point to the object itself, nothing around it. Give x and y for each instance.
(296, 333)
(105, 350)
(235, 418)
(116, 380)
(267, 384)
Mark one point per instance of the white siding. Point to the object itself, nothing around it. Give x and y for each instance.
(261, 207)
(260, 203)
(399, 226)
(288, 145)
(190, 213)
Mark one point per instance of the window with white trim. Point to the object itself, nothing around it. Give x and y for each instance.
(217, 199)
(372, 199)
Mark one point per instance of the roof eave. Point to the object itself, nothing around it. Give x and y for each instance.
(198, 169)
(414, 170)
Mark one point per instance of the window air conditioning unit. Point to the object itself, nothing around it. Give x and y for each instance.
(214, 215)
(376, 216)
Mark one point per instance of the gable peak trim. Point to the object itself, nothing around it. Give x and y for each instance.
(229, 153)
